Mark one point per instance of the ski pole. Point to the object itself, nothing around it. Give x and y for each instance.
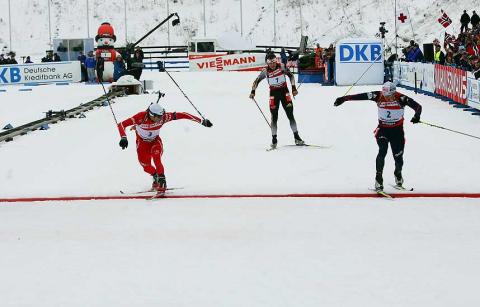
(108, 101)
(440, 127)
(185, 95)
(262, 113)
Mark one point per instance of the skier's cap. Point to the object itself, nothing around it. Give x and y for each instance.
(156, 110)
(389, 88)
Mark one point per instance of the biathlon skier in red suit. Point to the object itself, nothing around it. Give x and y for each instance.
(391, 107)
(147, 126)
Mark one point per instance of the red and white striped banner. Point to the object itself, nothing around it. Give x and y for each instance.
(451, 82)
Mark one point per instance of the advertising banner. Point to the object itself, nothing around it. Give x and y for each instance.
(473, 91)
(227, 62)
(451, 82)
(359, 60)
(40, 73)
(404, 74)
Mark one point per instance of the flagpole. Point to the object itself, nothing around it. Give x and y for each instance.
(396, 36)
(411, 25)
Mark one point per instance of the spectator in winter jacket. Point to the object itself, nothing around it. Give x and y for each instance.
(81, 58)
(90, 65)
(99, 67)
(464, 20)
(28, 60)
(449, 61)
(137, 63)
(284, 57)
(439, 56)
(417, 54)
(475, 20)
(56, 57)
(118, 68)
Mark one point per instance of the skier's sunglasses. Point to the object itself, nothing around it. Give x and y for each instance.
(271, 61)
(157, 116)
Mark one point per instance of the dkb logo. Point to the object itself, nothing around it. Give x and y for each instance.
(361, 53)
(10, 75)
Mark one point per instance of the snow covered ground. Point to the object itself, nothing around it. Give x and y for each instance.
(235, 252)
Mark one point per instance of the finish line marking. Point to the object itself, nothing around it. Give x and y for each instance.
(238, 196)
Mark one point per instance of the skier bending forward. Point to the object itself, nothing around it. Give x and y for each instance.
(149, 144)
(391, 106)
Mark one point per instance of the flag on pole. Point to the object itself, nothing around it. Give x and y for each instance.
(444, 20)
(448, 39)
(402, 17)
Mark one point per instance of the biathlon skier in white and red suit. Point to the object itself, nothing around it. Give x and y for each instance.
(276, 74)
(391, 106)
(147, 126)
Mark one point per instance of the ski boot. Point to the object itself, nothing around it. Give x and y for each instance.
(398, 179)
(378, 182)
(298, 140)
(274, 142)
(159, 182)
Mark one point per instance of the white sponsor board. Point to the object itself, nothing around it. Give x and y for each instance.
(473, 91)
(229, 62)
(359, 60)
(40, 73)
(404, 74)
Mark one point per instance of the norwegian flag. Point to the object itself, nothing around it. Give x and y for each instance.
(444, 20)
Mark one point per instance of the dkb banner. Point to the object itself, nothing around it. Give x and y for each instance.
(40, 73)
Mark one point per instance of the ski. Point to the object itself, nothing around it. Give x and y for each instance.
(158, 195)
(382, 193)
(401, 188)
(310, 145)
(304, 145)
(147, 191)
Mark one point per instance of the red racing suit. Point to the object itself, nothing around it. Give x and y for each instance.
(149, 143)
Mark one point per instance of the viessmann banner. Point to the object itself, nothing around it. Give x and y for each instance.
(40, 73)
(232, 62)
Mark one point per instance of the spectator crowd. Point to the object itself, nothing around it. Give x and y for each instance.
(461, 51)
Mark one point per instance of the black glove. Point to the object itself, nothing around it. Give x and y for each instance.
(207, 123)
(339, 101)
(415, 119)
(123, 142)
(252, 94)
(294, 90)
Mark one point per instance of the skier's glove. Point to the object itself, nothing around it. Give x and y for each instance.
(207, 123)
(252, 94)
(415, 119)
(294, 91)
(339, 101)
(123, 142)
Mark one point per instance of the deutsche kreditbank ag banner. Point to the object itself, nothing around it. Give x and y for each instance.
(40, 73)
(357, 57)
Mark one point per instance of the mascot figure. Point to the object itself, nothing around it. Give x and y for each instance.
(105, 40)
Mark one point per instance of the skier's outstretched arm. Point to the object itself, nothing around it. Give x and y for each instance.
(188, 116)
(361, 96)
